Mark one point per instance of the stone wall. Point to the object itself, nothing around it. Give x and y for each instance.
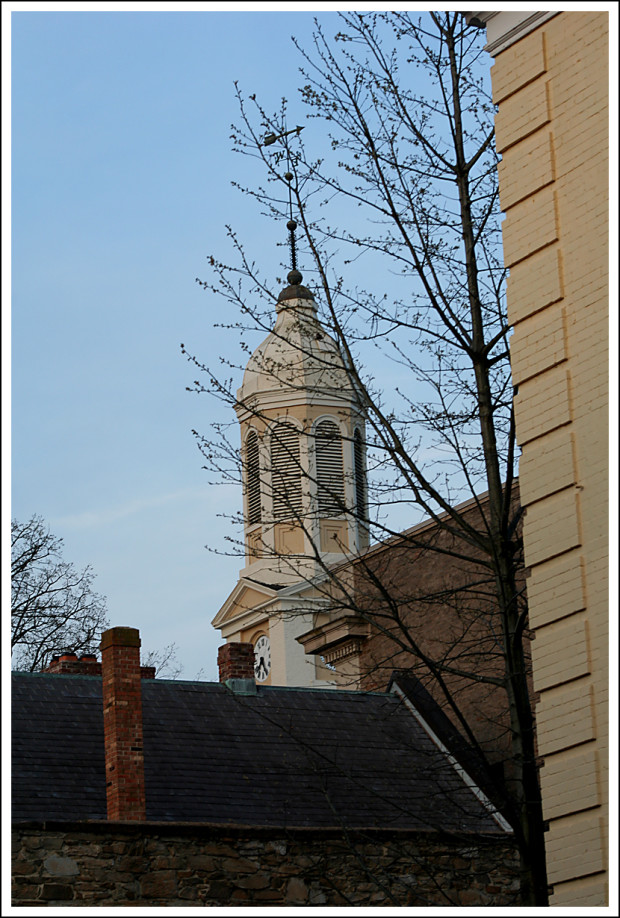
(92, 864)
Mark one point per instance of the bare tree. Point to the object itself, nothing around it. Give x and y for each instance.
(411, 169)
(165, 661)
(53, 605)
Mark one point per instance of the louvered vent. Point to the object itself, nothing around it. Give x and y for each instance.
(360, 475)
(285, 472)
(253, 478)
(329, 469)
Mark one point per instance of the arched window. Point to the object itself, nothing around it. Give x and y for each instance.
(360, 475)
(285, 472)
(329, 469)
(252, 472)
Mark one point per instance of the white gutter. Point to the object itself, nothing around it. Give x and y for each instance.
(471, 784)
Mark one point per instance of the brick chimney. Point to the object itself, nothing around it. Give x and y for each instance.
(68, 664)
(122, 724)
(236, 665)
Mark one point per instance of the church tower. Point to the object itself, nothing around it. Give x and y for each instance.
(304, 487)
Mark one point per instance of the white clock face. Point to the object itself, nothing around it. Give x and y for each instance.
(262, 658)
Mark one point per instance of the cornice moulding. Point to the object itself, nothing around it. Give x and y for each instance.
(267, 400)
(505, 27)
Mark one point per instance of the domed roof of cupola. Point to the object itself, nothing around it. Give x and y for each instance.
(298, 358)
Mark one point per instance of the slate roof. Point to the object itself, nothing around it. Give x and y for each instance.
(282, 757)
(57, 762)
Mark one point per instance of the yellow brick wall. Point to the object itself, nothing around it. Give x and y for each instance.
(551, 88)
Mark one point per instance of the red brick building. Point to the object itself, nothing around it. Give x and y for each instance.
(424, 603)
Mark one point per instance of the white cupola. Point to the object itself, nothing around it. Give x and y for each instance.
(302, 442)
(304, 489)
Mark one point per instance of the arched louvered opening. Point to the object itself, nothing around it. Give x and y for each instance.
(252, 472)
(329, 469)
(285, 472)
(360, 476)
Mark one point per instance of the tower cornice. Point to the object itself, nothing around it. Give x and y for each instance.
(274, 400)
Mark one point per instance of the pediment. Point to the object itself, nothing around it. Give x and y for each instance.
(246, 597)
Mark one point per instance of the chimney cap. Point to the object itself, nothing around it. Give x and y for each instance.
(120, 637)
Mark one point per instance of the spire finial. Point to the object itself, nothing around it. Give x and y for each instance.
(295, 290)
(294, 276)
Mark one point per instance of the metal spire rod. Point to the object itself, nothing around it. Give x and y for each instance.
(291, 225)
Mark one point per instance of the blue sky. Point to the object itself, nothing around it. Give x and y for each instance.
(121, 186)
